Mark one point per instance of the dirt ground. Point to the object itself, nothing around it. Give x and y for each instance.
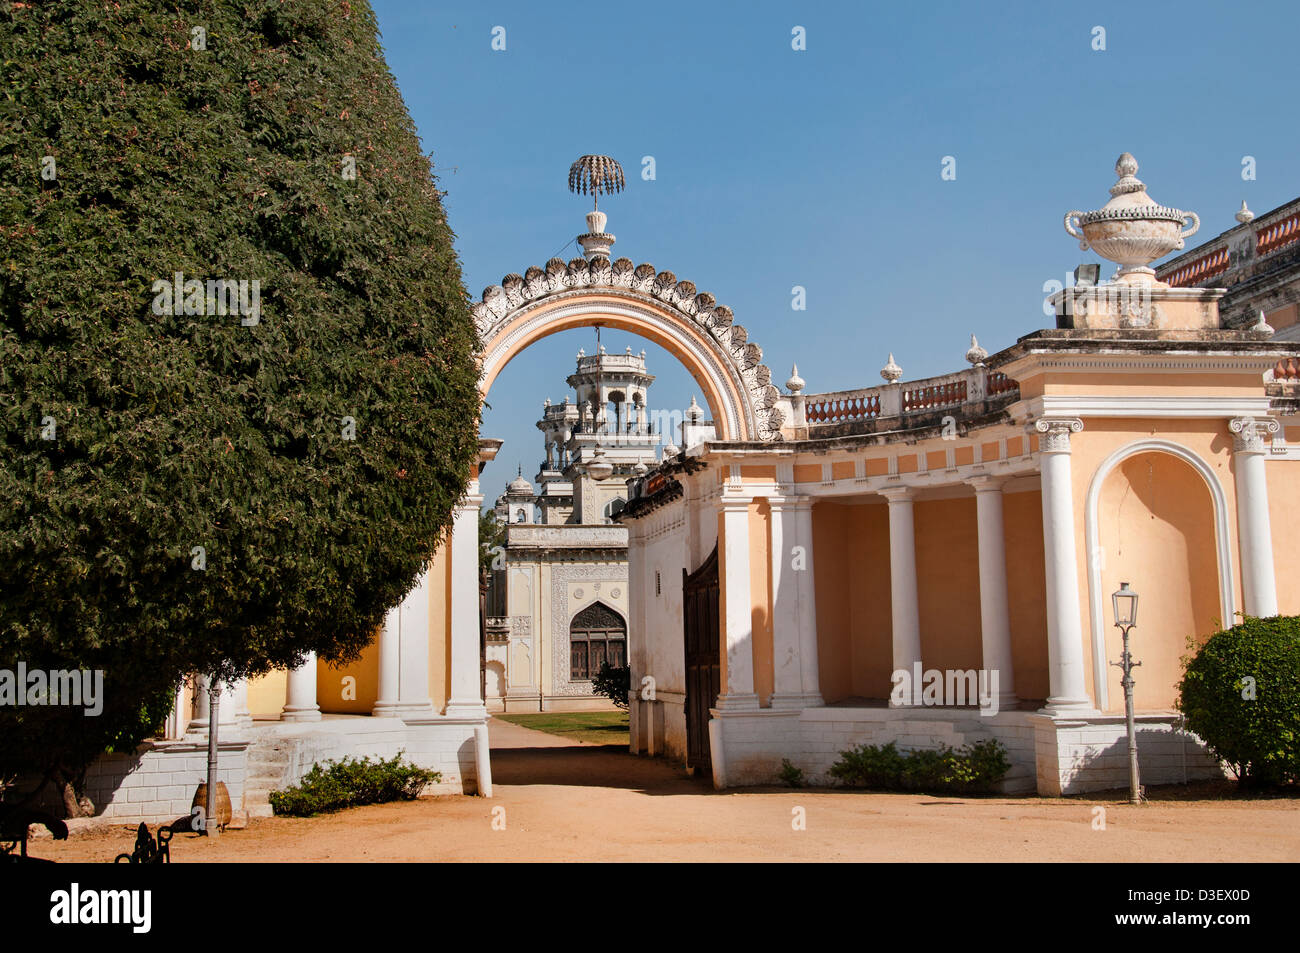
(561, 801)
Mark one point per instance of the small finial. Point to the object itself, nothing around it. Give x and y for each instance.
(976, 354)
(891, 372)
(1262, 324)
(1244, 214)
(1126, 168)
(796, 383)
(548, 402)
(582, 352)
(629, 350)
(694, 412)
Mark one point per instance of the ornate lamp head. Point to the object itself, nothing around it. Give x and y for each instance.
(594, 175)
(1131, 229)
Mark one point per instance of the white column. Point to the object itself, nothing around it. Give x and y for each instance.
(787, 678)
(242, 715)
(794, 615)
(1067, 692)
(737, 621)
(413, 671)
(227, 715)
(466, 699)
(1253, 530)
(636, 639)
(995, 613)
(300, 696)
(390, 659)
(806, 586)
(906, 616)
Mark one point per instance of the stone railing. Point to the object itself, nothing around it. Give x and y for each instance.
(1237, 248)
(971, 390)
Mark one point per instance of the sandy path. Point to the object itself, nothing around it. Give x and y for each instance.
(565, 801)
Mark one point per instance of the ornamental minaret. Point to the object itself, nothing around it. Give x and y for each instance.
(594, 175)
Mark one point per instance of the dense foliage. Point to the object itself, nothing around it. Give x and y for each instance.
(614, 683)
(1240, 694)
(335, 785)
(971, 769)
(183, 489)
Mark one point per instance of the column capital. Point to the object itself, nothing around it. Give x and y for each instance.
(987, 483)
(897, 494)
(1248, 433)
(729, 502)
(1055, 433)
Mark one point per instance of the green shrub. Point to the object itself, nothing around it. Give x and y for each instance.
(613, 683)
(335, 785)
(790, 775)
(1241, 695)
(970, 769)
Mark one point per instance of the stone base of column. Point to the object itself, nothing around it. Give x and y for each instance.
(738, 702)
(305, 713)
(797, 700)
(1069, 708)
(466, 708)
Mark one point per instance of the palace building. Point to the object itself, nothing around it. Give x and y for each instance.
(802, 555)
(561, 607)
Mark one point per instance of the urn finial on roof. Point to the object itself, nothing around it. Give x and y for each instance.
(976, 354)
(891, 372)
(1131, 229)
(796, 383)
(1244, 214)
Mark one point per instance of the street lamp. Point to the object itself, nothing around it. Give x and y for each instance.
(1125, 602)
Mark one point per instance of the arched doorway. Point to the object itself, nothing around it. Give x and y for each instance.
(597, 635)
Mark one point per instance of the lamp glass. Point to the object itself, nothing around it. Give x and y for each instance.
(1125, 602)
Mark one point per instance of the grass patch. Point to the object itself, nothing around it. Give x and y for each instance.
(594, 727)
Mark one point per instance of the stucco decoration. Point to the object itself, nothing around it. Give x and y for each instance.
(730, 357)
(563, 609)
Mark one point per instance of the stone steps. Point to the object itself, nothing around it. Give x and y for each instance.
(268, 765)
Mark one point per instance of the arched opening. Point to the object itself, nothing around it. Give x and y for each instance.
(1156, 522)
(597, 635)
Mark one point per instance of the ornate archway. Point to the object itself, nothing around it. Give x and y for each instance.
(690, 325)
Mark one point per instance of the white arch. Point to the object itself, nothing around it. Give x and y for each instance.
(699, 331)
(1222, 540)
(498, 349)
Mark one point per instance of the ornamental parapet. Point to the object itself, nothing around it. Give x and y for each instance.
(906, 405)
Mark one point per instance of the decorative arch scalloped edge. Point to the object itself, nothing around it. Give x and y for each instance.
(499, 303)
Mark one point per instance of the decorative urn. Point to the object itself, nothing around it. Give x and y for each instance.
(1131, 229)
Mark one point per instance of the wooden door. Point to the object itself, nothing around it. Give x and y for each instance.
(700, 625)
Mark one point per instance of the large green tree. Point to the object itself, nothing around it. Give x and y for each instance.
(209, 482)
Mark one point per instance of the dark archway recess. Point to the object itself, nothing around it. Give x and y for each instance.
(703, 662)
(597, 635)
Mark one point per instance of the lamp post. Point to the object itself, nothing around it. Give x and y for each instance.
(1125, 602)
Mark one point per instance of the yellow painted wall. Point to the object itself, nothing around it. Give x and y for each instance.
(1284, 520)
(831, 529)
(1022, 523)
(1156, 527)
(948, 583)
(266, 694)
(440, 628)
(851, 560)
(332, 690)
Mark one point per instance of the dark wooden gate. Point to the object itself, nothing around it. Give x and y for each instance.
(703, 665)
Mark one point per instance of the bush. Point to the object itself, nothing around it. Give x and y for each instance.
(613, 683)
(1241, 695)
(790, 775)
(970, 769)
(335, 785)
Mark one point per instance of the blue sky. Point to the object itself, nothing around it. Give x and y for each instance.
(821, 168)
